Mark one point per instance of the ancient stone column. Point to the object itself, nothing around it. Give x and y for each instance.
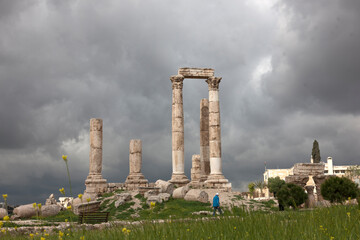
(196, 172)
(310, 201)
(216, 177)
(178, 176)
(204, 139)
(136, 178)
(95, 183)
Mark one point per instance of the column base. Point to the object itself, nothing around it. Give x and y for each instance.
(218, 181)
(179, 179)
(203, 178)
(136, 180)
(95, 184)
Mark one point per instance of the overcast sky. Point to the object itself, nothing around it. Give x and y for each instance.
(290, 74)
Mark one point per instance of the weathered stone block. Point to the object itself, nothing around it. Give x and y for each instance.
(164, 197)
(165, 187)
(178, 141)
(3, 213)
(135, 146)
(214, 133)
(202, 73)
(214, 119)
(197, 195)
(215, 149)
(50, 210)
(181, 191)
(309, 169)
(204, 138)
(92, 206)
(214, 108)
(297, 179)
(178, 124)
(25, 211)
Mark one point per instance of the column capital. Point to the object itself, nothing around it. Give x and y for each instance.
(213, 83)
(177, 81)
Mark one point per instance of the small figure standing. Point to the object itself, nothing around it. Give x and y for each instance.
(216, 204)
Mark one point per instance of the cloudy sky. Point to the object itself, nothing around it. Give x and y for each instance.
(290, 74)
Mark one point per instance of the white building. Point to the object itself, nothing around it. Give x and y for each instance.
(330, 169)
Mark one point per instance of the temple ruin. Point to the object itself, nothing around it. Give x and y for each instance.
(206, 169)
(210, 130)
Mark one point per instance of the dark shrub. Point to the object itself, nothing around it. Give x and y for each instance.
(291, 195)
(339, 189)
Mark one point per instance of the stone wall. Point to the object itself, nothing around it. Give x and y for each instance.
(309, 169)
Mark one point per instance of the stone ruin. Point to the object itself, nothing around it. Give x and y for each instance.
(206, 169)
(309, 176)
(136, 178)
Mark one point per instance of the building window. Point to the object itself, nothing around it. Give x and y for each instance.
(326, 171)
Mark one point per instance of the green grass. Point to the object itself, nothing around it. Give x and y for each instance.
(337, 222)
(174, 209)
(60, 217)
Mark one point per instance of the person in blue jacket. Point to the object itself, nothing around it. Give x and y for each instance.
(216, 204)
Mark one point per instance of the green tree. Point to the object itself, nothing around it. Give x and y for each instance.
(339, 189)
(291, 195)
(274, 185)
(316, 152)
(251, 188)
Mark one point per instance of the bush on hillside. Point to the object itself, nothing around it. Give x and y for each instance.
(339, 189)
(274, 185)
(291, 195)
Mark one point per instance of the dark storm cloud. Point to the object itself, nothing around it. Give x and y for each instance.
(64, 62)
(316, 63)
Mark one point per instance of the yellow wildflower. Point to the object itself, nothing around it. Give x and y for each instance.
(6, 218)
(62, 191)
(152, 204)
(15, 228)
(34, 205)
(88, 199)
(234, 228)
(39, 205)
(128, 231)
(61, 234)
(348, 214)
(46, 234)
(188, 230)
(1, 224)
(82, 238)
(66, 220)
(69, 207)
(124, 230)
(5, 196)
(80, 196)
(42, 238)
(3, 230)
(31, 235)
(64, 157)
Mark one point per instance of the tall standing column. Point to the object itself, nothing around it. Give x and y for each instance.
(178, 176)
(135, 178)
(216, 178)
(95, 183)
(204, 139)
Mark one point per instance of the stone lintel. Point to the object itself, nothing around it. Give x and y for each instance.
(201, 73)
